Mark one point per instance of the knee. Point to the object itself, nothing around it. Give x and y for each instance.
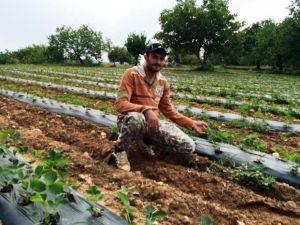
(135, 120)
(189, 146)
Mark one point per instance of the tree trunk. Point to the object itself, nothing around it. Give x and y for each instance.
(205, 58)
(258, 65)
(80, 60)
(279, 63)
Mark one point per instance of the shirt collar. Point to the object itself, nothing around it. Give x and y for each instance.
(141, 71)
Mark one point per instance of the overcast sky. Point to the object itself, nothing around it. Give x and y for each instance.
(27, 22)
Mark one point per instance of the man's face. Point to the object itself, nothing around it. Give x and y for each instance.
(154, 61)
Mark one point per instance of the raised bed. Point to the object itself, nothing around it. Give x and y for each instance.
(273, 125)
(278, 168)
(16, 210)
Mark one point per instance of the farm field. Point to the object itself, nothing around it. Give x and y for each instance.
(185, 189)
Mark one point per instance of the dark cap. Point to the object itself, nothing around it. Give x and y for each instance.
(156, 48)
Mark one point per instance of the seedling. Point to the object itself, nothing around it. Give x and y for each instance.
(252, 176)
(9, 136)
(123, 196)
(46, 181)
(95, 196)
(57, 161)
(154, 215)
(252, 141)
(217, 149)
(295, 170)
(37, 154)
(205, 220)
(259, 160)
(113, 133)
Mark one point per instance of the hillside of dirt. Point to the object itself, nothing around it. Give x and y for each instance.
(169, 182)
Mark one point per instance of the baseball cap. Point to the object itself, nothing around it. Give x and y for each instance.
(156, 48)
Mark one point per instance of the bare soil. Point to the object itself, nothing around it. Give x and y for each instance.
(166, 181)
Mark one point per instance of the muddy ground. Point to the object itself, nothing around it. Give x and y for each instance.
(165, 181)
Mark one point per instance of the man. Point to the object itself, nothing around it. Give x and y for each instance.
(143, 93)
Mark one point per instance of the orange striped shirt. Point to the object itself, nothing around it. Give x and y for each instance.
(137, 95)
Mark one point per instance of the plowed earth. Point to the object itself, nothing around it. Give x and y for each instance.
(166, 181)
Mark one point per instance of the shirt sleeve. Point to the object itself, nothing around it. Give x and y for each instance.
(123, 104)
(166, 108)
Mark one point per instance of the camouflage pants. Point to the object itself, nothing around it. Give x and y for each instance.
(133, 129)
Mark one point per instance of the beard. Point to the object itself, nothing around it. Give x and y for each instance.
(154, 67)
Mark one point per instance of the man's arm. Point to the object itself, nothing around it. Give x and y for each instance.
(165, 106)
(123, 104)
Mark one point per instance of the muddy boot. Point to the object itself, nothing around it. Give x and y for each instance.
(122, 162)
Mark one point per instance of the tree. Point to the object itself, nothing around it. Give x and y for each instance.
(262, 44)
(231, 51)
(34, 54)
(265, 47)
(136, 45)
(198, 30)
(7, 58)
(290, 29)
(83, 44)
(295, 7)
(249, 44)
(118, 54)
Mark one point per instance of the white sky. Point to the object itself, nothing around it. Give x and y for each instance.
(27, 22)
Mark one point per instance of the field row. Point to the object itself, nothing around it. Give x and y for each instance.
(273, 125)
(217, 132)
(238, 94)
(277, 109)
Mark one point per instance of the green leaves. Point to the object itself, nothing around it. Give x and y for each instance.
(57, 161)
(152, 215)
(10, 135)
(82, 44)
(50, 176)
(123, 196)
(95, 194)
(37, 185)
(136, 45)
(38, 198)
(205, 220)
(207, 29)
(22, 149)
(38, 171)
(253, 176)
(56, 188)
(43, 185)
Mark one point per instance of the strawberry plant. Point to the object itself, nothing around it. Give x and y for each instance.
(295, 169)
(95, 196)
(124, 195)
(154, 215)
(253, 176)
(205, 220)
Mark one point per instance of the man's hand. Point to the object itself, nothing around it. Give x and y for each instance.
(152, 120)
(200, 126)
